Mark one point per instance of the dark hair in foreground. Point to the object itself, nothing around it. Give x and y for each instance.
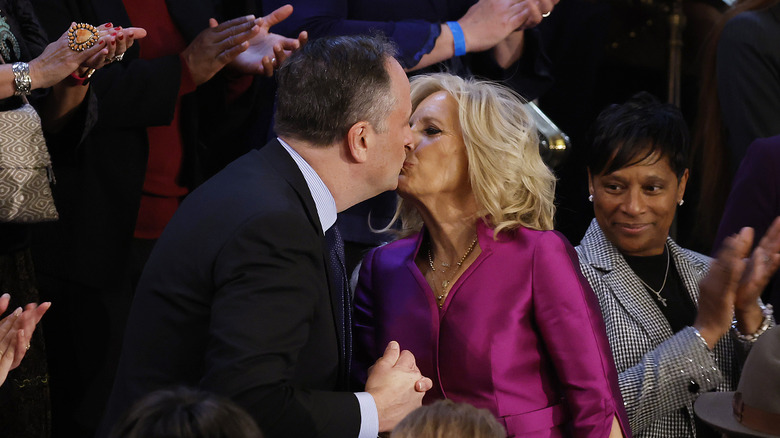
(627, 134)
(331, 84)
(185, 413)
(446, 419)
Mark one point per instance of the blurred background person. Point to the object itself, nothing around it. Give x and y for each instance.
(446, 418)
(185, 413)
(482, 292)
(754, 200)
(739, 102)
(666, 311)
(54, 74)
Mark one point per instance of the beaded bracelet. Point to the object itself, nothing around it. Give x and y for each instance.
(767, 311)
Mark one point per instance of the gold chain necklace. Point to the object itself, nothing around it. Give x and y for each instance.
(440, 297)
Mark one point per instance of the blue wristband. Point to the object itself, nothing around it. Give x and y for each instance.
(457, 38)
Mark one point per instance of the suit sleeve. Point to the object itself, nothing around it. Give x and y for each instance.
(265, 303)
(668, 377)
(748, 62)
(414, 38)
(567, 314)
(363, 332)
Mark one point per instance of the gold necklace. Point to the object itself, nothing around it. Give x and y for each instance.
(440, 298)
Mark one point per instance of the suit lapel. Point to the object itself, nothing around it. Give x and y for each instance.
(280, 160)
(623, 283)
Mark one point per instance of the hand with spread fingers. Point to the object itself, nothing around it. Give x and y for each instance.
(16, 332)
(268, 50)
(219, 45)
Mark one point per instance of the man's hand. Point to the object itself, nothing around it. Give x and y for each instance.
(397, 385)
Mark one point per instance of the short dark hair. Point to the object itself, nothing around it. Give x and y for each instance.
(185, 413)
(333, 83)
(627, 134)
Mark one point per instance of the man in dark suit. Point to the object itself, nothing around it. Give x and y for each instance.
(241, 295)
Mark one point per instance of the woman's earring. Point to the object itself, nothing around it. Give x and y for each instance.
(590, 198)
(682, 201)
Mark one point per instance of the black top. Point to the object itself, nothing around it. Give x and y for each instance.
(679, 310)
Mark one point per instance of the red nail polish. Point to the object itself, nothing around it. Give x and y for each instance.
(113, 34)
(121, 37)
(109, 24)
(113, 42)
(118, 28)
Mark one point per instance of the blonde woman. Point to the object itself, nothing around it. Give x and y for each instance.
(488, 299)
(448, 419)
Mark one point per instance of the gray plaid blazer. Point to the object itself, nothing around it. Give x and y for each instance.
(660, 373)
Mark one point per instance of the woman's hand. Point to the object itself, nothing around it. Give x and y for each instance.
(268, 50)
(219, 45)
(16, 332)
(763, 263)
(58, 61)
(488, 22)
(718, 290)
(118, 40)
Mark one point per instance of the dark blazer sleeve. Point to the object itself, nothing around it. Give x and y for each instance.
(569, 319)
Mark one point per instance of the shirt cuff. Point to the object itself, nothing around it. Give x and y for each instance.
(369, 417)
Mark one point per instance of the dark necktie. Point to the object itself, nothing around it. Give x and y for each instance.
(338, 266)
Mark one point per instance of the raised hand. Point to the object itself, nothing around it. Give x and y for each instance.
(118, 40)
(268, 50)
(58, 61)
(219, 45)
(718, 290)
(16, 332)
(397, 385)
(488, 22)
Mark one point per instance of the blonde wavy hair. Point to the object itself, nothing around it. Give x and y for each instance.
(511, 183)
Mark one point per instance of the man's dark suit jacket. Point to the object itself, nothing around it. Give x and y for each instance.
(237, 299)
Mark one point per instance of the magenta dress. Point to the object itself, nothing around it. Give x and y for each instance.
(520, 333)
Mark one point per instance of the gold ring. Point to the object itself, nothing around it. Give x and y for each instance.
(28, 346)
(82, 36)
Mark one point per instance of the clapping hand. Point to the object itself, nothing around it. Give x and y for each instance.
(16, 332)
(268, 50)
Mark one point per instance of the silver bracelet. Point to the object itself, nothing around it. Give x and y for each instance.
(767, 311)
(22, 81)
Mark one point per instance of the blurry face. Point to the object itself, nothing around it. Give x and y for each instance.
(436, 163)
(391, 145)
(635, 205)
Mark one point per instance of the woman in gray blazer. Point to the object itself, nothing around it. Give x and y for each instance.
(667, 309)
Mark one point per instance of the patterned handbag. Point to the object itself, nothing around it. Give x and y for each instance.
(25, 168)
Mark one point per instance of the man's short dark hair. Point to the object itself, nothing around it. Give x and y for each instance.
(331, 84)
(627, 134)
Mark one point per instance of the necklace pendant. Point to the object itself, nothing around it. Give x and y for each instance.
(445, 265)
(662, 300)
(444, 284)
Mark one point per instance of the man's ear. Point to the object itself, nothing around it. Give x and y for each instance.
(359, 137)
